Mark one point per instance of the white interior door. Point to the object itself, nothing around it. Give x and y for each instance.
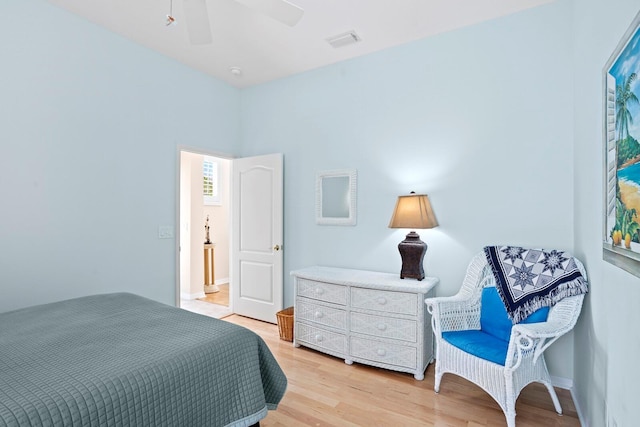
(256, 242)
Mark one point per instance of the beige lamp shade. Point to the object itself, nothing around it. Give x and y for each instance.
(413, 211)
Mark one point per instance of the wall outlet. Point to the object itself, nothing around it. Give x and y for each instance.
(165, 232)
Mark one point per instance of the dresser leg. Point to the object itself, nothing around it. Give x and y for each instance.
(348, 362)
(419, 376)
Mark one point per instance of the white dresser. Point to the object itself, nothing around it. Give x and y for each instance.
(363, 316)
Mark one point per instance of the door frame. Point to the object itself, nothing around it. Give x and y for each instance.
(177, 227)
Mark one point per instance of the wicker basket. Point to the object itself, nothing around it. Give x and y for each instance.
(285, 323)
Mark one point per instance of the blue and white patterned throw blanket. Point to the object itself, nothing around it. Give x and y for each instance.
(529, 279)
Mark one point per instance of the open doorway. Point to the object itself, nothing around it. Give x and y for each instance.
(204, 223)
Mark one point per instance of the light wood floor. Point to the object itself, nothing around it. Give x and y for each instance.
(220, 298)
(324, 391)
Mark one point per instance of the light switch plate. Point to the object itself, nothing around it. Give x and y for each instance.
(165, 232)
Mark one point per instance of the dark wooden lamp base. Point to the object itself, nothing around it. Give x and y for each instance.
(412, 251)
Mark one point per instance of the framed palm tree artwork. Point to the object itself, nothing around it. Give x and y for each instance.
(621, 129)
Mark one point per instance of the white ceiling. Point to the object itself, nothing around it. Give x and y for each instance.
(265, 49)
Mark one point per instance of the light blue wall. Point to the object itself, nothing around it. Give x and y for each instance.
(90, 125)
(480, 119)
(607, 343)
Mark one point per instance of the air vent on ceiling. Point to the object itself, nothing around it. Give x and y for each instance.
(350, 37)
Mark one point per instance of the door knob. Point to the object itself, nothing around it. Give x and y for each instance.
(276, 248)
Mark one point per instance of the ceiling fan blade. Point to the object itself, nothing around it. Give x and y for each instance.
(280, 10)
(197, 21)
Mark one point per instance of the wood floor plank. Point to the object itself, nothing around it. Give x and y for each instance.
(324, 392)
(221, 297)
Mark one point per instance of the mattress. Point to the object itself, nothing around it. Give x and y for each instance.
(124, 360)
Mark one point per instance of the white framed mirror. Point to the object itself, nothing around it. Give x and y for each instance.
(336, 197)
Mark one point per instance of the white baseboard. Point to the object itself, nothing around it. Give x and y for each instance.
(567, 384)
(576, 403)
(561, 382)
(188, 296)
(201, 294)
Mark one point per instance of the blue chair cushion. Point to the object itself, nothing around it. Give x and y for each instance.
(480, 344)
(491, 342)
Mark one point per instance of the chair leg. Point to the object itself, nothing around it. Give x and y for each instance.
(511, 420)
(437, 378)
(554, 397)
(510, 399)
(510, 414)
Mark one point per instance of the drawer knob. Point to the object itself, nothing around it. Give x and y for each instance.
(318, 337)
(381, 352)
(318, 314)
(382, 300)
(319, 291)
(382, 327)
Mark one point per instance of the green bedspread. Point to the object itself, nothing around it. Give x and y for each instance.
(123, 360)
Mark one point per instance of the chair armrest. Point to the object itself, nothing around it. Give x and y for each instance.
(543, 329)
(532, 339)
(454, 313)
(454, 299)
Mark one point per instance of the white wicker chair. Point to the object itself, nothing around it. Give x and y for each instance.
(525, 360)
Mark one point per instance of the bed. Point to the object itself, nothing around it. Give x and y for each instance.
(124, 360)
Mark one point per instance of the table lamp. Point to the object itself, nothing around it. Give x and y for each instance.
(413, 212)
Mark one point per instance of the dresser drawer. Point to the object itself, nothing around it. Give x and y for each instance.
(384, 353)
(309, 311)
(331, 341)
(322, 291)
(387, 301)
(386, 327)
